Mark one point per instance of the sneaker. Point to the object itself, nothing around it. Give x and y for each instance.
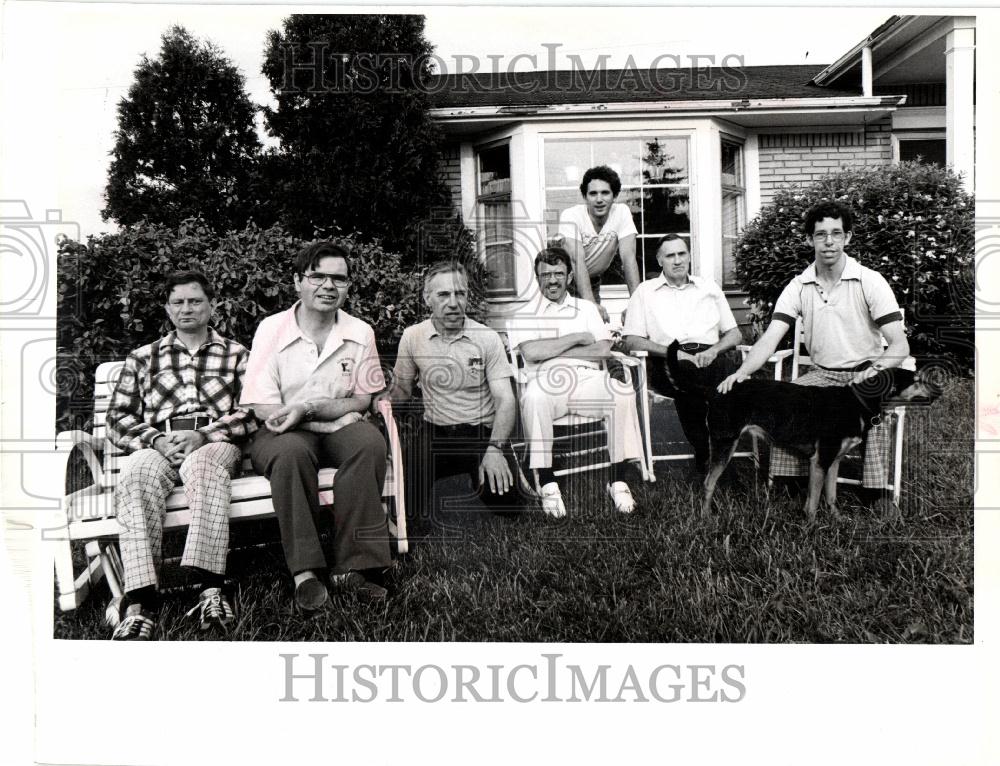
(621, 496)
(213, 610)
(357, 583)
(137, 625)
(114, 613)
(552, 502)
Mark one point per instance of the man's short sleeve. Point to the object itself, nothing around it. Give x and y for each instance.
(591, 318)
(569, 224)
(261, 383)
(726, 319)
(370, 379)
(496, 362)
(406, 366)
(882, 305)
(635, 315)
(522, 328)
(623, 225)
(789, 305)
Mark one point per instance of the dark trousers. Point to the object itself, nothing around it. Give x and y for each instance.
(692, 408)
(437, 452)
(291, 461)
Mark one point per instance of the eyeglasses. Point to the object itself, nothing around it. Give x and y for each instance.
(836, 236)
(318, 279)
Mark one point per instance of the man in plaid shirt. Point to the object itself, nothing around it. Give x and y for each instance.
(175, 411)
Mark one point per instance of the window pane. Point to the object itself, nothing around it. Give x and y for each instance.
(732, 164)
(665, 161)
(494, 170)
(729, 262)
(666, 210)
(732, 203)
(929, 150)
(566, 160)
(621, 155)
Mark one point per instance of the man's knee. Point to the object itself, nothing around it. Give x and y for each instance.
(146, 465)
(367, 442)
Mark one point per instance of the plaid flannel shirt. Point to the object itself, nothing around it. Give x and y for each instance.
(164, 380)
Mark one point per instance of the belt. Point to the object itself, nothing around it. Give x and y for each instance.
(694, 348)
(856, 368)
(186, 423)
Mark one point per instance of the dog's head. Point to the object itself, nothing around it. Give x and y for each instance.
(897, 386)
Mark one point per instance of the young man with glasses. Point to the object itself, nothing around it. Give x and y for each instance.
(848, 313)
(310, 379)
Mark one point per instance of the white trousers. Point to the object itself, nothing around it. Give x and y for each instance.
(586, 392)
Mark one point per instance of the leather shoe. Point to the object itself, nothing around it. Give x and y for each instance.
(310, 594)
(356, 583)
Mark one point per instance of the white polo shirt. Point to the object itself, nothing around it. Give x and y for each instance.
(843, 326)
(543, 319)
(697, 312)
(286, 366)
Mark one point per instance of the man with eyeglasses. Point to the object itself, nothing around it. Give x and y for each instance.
(311, 375)
(563, 341)
(848, 313)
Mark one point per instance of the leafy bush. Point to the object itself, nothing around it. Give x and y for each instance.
(913, 223)
(110, 302)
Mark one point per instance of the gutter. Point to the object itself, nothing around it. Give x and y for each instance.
(850, 59)
(709, 106)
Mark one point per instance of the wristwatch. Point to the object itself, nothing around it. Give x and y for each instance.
(878, 366)
(500, 444)
(310, 411)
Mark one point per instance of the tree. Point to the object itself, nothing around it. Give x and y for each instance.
(186, 142)
(358, 150)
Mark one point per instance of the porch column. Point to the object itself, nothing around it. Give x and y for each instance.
(960, 63)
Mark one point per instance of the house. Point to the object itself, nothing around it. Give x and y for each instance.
(699, 150)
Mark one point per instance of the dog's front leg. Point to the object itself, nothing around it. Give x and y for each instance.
(830, 488)
(815, 487)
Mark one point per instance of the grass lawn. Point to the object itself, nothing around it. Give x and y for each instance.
(753, 572)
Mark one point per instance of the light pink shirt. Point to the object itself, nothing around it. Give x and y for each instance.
(286, 366)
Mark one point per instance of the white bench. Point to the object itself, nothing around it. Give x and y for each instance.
(90, 512)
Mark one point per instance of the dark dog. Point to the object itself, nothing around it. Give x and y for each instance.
(820, 423)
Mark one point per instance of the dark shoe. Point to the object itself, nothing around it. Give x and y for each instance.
(213, 611)
(310, 594)
(357, 583)
(137, 625)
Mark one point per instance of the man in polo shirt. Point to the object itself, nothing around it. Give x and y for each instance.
(468, 403)
(848, 313)
(563, 341)
(174, 411)
(693, 311)
(310, 378)
(594, 232)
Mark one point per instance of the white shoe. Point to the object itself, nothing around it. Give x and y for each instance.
(621, 496)
(552, 502)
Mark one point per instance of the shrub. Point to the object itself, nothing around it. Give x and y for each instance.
(109, 293)
(913, 223)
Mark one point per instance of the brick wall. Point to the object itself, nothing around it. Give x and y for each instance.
(451, 171)
(798, 158)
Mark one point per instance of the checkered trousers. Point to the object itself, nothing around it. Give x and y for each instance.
(146, 480)
(876, 446)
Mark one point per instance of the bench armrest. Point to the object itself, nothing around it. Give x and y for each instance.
(89, 446)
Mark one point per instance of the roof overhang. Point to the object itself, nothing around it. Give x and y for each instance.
(904, 49)
(751, 113)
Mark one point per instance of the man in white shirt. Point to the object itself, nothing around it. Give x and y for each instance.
(563, 340)
(592, 233)
(310, 378)
(693, 311)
